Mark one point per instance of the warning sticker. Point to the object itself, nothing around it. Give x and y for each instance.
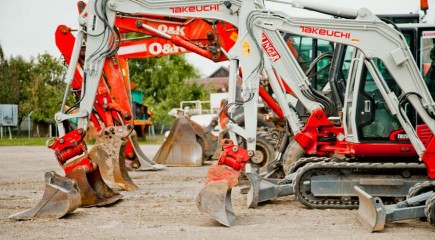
(246, 47)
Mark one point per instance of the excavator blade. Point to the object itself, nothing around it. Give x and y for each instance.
(371, 211)
(108, 153)
(144, 163)
(94, 192)
(265, 189)
(214, 199)
(181, 148)
(61, 196)
(254, 189)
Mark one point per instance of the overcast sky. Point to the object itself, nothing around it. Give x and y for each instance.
(27, 26)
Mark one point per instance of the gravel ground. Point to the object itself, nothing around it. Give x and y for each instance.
(164, 208)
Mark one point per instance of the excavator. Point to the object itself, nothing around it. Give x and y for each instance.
(106, 155)
(328, 183)
(248, 54)
(208, 37)
(372, 210)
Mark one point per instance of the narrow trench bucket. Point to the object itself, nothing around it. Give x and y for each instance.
(61, 197)
(214, 200)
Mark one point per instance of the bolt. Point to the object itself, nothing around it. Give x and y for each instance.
(112, 4)
(138, 24)
(235, 149)
(61, 141)
(215, 58)
(209, 34)
(80, 132)
(250, 153)
(127, 116)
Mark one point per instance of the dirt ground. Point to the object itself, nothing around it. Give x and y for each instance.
(164, 208)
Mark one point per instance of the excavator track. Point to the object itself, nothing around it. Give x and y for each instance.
(303, 161)
(331, 175)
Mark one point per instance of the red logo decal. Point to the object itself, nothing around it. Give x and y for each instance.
(269, 48)
(189, 9)
(325, 32)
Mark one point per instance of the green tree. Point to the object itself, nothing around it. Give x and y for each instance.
(165, 82)
(47, 88)
(9, 82)
(15, 81)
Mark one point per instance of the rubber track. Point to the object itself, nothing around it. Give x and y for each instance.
(328, 165)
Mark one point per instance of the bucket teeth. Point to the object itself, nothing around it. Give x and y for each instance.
(61, 196)
(94, 192)
(214, 200)
(108, 153)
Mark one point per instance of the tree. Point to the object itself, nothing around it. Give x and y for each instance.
(36, 85)
(14, 82)
(47, 88)
(9, 81)
(164, 81)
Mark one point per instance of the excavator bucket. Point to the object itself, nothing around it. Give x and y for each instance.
(61, 196)
(181, 148)
(141, 160)
(371, 211)
(214, 199)
(108, 153)
(94, 192)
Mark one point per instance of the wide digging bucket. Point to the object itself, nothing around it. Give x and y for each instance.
(214, 199)
(94, 192)
(181, 148)
(61, 196)
(108, 153)
(142, 162)
(371, 211)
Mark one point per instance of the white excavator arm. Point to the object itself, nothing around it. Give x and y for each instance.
(102, 40)
(374, 38)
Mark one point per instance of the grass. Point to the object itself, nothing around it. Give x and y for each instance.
(24, 141)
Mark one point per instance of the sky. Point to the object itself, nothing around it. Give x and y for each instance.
(27, 26)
